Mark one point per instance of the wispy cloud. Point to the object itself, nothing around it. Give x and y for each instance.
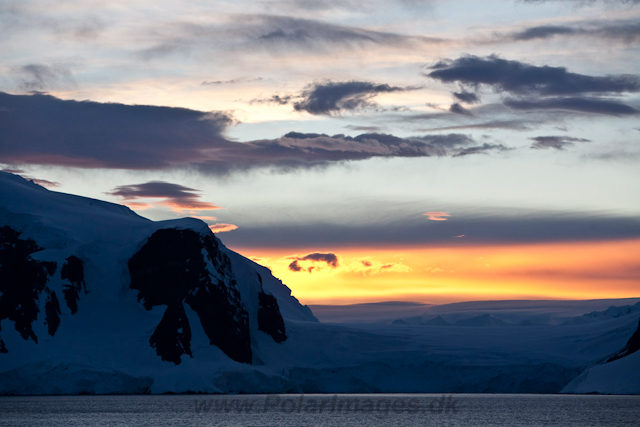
(557, 142)
(222, 228)
(37, 77)
(437, 216)
(589, 105)
(274, 33)
(613, 30)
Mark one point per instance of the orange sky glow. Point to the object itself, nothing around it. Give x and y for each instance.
(575, 270)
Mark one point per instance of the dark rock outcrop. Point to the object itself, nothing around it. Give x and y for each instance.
(52, 313)
(73, 271)
(269, 318)
(632, 346)
(170, 269)
(172, 337)
(22, 280)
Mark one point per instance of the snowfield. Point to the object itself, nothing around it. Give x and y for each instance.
(105, 346)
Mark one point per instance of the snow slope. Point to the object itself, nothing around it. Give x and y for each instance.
(621, 376)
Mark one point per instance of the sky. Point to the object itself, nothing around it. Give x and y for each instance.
(364, 150)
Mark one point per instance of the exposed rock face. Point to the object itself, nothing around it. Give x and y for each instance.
(632, 346)
(73, 271)
(22, 281)
(175, 267)
(270, 320)
(172, 337)
(52, 313)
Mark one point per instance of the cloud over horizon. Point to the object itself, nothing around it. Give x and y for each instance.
(41, 129)
(299, 264)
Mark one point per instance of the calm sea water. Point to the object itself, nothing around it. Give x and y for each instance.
(322, 410)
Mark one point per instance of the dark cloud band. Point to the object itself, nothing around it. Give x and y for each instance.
(521, 78)
(500, 227)
(578, 104)
(42, 129)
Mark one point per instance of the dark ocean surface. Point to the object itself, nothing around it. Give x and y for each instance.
(322, 410)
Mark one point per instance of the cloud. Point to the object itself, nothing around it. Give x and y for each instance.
(335, 97)
(36, 77)
(25, 16)
(370, 267)
(173, 195)
(627, 31)
(538, 88)
(542, 32)
(275, 99)
(327, 98)
(42, 129)
(467, 97)
(580, 104)
(364, 128)
(456, 108)
(330, 262)
(410, 228)
(481, 149)
(272, 33)
(585, 2)
(323, 148)
(222, 228)
(519, 125)
(524, 79)
(557, 142)
(232, 81)
(437, 216)
(310, 262)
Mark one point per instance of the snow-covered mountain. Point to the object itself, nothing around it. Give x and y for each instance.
(96, 299)
(87, 284)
